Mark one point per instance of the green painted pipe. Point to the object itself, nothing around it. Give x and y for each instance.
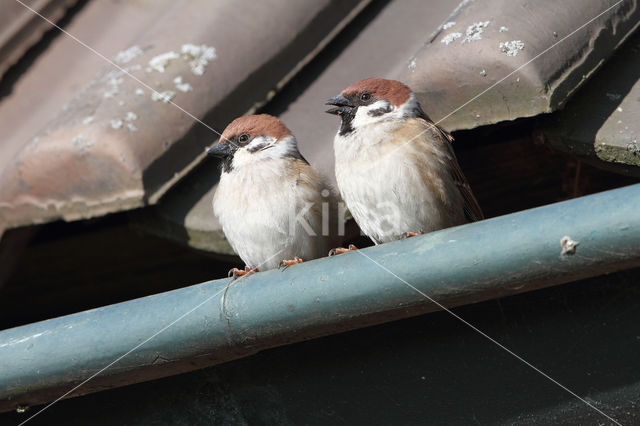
(214, 322)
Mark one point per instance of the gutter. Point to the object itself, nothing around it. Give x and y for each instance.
(480, 261)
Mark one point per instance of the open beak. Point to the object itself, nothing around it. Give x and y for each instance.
(221, 150)
(343, 105)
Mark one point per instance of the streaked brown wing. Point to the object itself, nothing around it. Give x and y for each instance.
(472, 209)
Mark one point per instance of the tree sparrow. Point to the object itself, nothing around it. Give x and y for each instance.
(396, 169)
(271, 203)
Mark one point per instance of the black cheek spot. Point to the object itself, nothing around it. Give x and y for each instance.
(380, 111)
(257, 147)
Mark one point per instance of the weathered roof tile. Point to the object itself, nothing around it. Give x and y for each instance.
(20, 28)
(116, 145)
(601, 123)
(485, 41)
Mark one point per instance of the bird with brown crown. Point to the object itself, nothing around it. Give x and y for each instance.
(396, 169)
(270, 201)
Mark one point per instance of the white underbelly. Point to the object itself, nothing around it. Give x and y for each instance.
(261, 224)
(389, 197)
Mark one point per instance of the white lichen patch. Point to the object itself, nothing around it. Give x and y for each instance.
(474, 31)
(133, 68)
(483, 73)
(139, 92)
(116, 124)
(80, 142)
(448, 25)
(128, 55)
(412, 64)
(449, 38)
(87, 120)
(130, 116)
(511, 48)
(78, 139)
(198, 56)
(132, 127)
(182, 85)
(503, 29)
(114, 80)
(162, 61)
(165, 96)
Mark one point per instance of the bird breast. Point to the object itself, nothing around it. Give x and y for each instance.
(263, 210)
(394, 179)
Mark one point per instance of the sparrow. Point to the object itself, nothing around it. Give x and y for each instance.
(271, 203)
(395, 168)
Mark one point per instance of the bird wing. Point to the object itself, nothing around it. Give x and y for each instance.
(472, 209)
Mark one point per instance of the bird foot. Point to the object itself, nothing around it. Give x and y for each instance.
(235, 272)
(412, 234)
(286, 263)
(340, 250)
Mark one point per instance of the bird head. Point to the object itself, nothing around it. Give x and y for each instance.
(251, 139)
(373, 100)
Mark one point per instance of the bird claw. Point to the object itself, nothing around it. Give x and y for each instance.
(286, 263)
(341, 250)
(235, 272)
(412, 234)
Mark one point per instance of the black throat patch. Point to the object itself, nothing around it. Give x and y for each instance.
(227, 164)
(346, 126)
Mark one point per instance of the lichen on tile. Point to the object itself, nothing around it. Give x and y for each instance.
(449, 38)
(128, 55)
(165, 96)
(511, 48)
(182, 85)
(474, 31)
(160, 62)
(198, 56)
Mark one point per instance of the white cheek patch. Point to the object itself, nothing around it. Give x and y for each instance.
(262, 148)
(382, 110)
(282, 148)
(259, 142)
(376, 112)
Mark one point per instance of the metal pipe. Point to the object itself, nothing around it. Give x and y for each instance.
(220, 321)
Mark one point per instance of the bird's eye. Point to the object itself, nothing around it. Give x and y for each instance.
(365, 96)
(243, 138)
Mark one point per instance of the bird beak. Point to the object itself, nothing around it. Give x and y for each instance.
(343, 105)
(221, 150)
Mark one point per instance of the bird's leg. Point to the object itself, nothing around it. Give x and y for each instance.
(412, 234)
(340, 250)
(286, 263)
(235, 272)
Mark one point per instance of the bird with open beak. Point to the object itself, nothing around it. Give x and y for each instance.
(396, 169)
(271, 203)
